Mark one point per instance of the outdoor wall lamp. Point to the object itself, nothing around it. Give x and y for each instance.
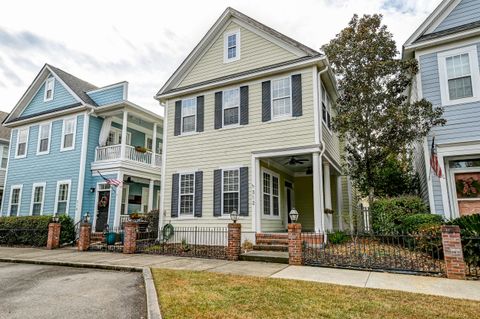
(86, 218)
(92, 189)
(234, 216)
(293, 215)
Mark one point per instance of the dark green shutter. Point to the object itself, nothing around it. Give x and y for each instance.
(297, 95)
(244, 105)
(243, 191)
(178, 118)
(200, 112)
(266, 102)
(198, 193)
(175, 190)
(217, 192)
(218, 110)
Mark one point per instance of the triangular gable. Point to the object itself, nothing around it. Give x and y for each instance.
(293, 48)
(465, 12)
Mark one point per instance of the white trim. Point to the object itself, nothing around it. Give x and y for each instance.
(452, 39)
(53, 116)
(39, 138)
(17, 186)
(95, 208)
(48, 81)
(235, 32)
(83, 162)
(75, 96)
(444, 189)
(328, 105)
(231, 107)
(118, 132)
(180, 194)
(450, 174)
(285, 115)
(62, 148)
(316, 105)
(194, 131)
(271, 215)
(285, 201)
(125, 188)
(35, 185)
(26, 142)
(104, 88)
(118, 203)
(223, 214)
(63, 182)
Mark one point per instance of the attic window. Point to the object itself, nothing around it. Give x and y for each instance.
(49, 85)
(232, 46)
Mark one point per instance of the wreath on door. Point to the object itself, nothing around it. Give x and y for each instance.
(103, 202)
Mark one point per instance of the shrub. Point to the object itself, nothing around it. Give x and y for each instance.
(67, 232)
(470, 231)
(387, 213)
(338, 237)
(419, 222)
(25, 230)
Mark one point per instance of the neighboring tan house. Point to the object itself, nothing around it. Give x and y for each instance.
(248, 128)
(4, 141)
(447, 47)
(71, 142)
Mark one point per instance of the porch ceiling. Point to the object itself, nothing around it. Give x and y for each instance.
(287, 162)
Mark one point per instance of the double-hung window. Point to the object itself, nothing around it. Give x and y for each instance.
(459, 74)
(22, 140)
(187, 193)
(281, 97)
(63, 195)
(38, 195)
(4, 162)
(231, 190)
(115, 137)
(189, 115)
(49, 87)
(44, 131)
(68, 134)
(271, 194)
(231, 107)
(15, 199)
(232, 46)
(326, 108)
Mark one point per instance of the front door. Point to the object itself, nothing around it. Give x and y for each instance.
(103, 204)
(465, 185)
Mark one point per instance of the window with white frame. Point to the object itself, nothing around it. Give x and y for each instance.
(326, 108)
(4, 162)
(68, 135)
(231, 107)
(22, 140)
(44, 138)
(231, 190)
(37, 198)
(189, 115)
(281, 97)
(63, 192)
(15, 198)
(115, 137)
(149, 145)
(232, 46)
(271, 194)
(187, 193)
(459, 73)
(49, 86)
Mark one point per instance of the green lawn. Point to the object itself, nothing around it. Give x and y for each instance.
(188, 294)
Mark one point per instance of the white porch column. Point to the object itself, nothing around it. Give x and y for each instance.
(317, 193)
(150, 195)
(257, 191)
(124, 134)
(118, 202)
(340, 202)
(327, 192)
(154, 143)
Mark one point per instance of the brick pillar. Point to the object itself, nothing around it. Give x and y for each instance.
(130, 237)
(53, 240)
(84, 237)
(234, 241)
(295, 253)
(453, 253)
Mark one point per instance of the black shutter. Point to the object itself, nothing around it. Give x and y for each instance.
(266, 102)
(243, 105)
(297, 95)
(200, 103)
(243, 191)
(178, 118)
(217, 192)
(175, 190)
(198, 193)
(218, 110)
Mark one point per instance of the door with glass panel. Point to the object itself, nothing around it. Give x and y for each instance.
(465, 182)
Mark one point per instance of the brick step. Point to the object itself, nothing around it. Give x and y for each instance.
(271, 236)
(266, 256)
(270, 247)
(262, 241)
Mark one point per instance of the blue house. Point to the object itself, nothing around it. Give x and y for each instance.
(72, 142)
(447, 47)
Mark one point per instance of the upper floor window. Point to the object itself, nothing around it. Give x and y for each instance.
(44, 131)
(189, 115)
(4, 160)
(231, 191)
(68, 134)
(232, 46)
(63, 195)
(49, 86)
(281, 97)
(458, 70)
(22, 140)
(231, 107)
(187, 193)
(326, 108)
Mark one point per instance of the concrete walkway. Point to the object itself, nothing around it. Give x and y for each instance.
(365, 279)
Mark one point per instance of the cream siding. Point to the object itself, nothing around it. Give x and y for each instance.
(255, 52)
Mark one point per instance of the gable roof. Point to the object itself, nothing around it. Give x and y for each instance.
(4, 131)
(301, 49)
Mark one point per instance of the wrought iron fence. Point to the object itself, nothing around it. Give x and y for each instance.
(471, 255)
(109, 240)
(205, 242)
(407, 253)
(32, 237)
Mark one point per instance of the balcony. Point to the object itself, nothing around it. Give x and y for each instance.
(114, 153)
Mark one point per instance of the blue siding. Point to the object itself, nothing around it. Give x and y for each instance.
(61, 97)
(467, 11)
(48, 168)
(108, 96)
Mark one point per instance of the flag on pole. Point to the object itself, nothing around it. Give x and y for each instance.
(114, 182)
(434, 160)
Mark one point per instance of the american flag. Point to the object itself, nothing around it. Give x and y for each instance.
(434, 161)
(113, 182)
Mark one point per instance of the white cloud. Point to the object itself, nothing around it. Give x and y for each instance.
(143, 42)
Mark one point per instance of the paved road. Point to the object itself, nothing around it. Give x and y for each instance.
(35, 291)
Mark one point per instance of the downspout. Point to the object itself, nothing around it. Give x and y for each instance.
(322, 144)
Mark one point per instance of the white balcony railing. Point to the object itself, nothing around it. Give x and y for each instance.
(114, 152)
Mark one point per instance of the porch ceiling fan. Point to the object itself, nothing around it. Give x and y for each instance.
(294, 161)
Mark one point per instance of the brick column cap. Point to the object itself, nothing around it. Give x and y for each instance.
(234, 225)
(130, 224)
(294, 226)
(85, 225)
(450, 229)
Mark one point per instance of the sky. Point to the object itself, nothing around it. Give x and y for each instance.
(143, 42)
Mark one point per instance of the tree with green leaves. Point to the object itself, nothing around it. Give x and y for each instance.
(375, 115)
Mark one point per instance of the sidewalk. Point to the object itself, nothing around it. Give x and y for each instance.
(416, 284)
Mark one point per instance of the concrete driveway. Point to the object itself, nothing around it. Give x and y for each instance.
(37, 291)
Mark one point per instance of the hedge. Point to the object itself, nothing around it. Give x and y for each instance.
(470, 231)
(420, 222)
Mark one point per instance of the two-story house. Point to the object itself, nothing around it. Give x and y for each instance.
(76, 148)
(447, 47)
(4, 141)
(248, 128)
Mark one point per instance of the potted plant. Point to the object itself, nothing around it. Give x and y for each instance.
(140, 149)
(135, 216)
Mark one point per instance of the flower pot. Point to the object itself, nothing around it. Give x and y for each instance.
(110, 238)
